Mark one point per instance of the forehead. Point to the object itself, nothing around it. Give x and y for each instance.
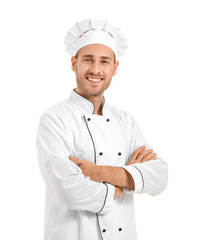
(96, 50)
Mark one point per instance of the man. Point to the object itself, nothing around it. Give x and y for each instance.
(94, 157)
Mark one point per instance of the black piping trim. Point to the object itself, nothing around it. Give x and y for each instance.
(85, 98)
(141, 176)
(106, 184)
(89, 100)
(91, 138)
(105, 198)
(99, 226)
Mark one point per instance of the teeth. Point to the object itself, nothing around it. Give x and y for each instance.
(94, 79)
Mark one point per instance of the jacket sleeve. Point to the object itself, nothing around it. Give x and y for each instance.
(68, 187)
(151, 176)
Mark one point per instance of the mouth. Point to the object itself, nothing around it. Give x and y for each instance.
(94, 80)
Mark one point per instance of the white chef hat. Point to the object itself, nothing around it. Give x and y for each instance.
(95, 31)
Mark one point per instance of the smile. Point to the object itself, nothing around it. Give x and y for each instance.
(92, 79)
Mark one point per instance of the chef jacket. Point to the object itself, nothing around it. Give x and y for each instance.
(77, 208)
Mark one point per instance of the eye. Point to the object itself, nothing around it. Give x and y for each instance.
(87, 60)
(105, 62)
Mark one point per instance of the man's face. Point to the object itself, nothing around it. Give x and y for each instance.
(94, 67)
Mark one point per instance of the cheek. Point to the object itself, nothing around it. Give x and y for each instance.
(110, 72)
(81, 69)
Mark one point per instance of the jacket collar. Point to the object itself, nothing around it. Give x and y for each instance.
(83, 103)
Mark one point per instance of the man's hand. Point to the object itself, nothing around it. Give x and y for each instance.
(93, 171)
(116, 176)
(141, 155)
(118, 192)
(88, 168)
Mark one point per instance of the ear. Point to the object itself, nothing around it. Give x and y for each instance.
(116, 64)
(73, 60)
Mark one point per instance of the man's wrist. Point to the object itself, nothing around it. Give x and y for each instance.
(116, 176)
(101, 173)
(105, 173)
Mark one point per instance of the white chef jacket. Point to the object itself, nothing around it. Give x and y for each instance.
(77, 208)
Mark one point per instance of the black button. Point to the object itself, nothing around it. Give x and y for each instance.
(107, 120)
(104, 230)
(120, 229)
(119, 153)
(88, 119)
(100, 153)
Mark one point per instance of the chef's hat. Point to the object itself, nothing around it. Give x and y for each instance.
(95, 31)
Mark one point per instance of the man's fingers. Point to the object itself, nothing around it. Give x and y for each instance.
(136, 153)
(151, 156)
(75, 160)
(143, 154)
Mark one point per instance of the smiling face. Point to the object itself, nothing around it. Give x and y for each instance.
(94, 67)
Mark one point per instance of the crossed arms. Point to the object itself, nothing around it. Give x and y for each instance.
(66, 177)
(116, 176)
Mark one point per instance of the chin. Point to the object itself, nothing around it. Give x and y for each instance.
(96, 94)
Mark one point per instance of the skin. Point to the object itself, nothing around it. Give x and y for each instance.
(98, 61)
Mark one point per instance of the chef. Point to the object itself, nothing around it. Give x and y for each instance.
(94, 157)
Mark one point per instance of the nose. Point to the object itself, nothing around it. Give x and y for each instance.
(95, 69)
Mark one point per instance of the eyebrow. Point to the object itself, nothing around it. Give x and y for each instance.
(103, 57)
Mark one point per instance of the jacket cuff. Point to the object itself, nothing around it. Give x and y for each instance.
(137, 178)
(109, 197)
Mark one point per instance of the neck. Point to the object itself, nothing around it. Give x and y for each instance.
(98, 105)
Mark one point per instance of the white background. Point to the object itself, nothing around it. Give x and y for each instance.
(163, 81)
